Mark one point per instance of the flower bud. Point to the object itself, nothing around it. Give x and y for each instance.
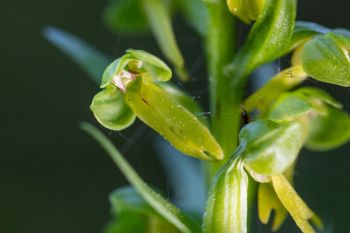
(246, 10)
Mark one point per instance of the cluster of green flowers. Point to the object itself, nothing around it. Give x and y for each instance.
(137, 85)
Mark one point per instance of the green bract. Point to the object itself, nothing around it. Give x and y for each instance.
(269, 148)
(326, 58)
(131, 83)
(246, 10)
(226, 210)
(270, 34)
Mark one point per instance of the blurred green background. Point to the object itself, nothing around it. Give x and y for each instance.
(54, 178)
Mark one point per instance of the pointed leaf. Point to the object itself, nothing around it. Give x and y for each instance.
(164, 208)
(226, 209)
(111, 111)
(92, 61)
(269, 36)
(160, 22)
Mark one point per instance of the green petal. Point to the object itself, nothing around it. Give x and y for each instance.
(289, 106)
(181, 128)
(163, 207)
(326, 59)
(226, 209)
(111, 110)
(297, 208)
(268, 202)
(158, 69)
(329, 131)
(268, 147)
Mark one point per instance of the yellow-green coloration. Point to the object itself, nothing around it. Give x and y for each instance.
(160, 23)
(226, 210)
(268, 202)
(246, 10)
(180, 127)
(111, 111)
(326, 58)
(131, 83)
(297, 208)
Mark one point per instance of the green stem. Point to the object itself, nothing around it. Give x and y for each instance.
(224, 101)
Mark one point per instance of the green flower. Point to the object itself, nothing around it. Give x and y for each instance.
(266, 151)
(132, 89)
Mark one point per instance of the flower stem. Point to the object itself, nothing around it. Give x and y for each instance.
(220, 48)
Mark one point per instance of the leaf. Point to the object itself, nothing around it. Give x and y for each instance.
(164, 208)
(160, 23)
(181, 128)
(329, 131)
(226, 209)
(195, 14)
(92, 61)
(247, 10)
(297, 208)
(125, 17)
(111, 111)
(270, 148)
(268, 202)
(327, 60)
(269, 36)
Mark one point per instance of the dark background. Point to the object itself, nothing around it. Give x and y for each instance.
(54, 178)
